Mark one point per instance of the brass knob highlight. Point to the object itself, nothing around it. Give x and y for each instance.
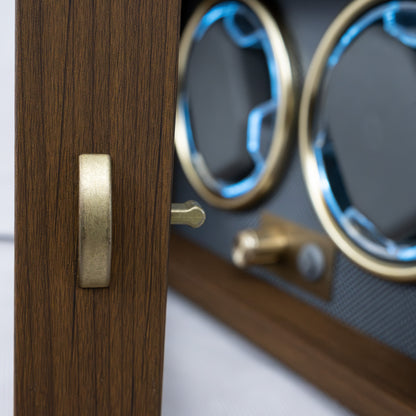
(189, 213)
(258, 247)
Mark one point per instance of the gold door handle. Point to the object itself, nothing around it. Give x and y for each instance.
(189, 213)
(95, 220)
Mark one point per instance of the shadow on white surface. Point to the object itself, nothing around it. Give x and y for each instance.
(6, 328)
(211, 371)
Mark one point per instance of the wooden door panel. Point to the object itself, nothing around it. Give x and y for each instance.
(92, 77)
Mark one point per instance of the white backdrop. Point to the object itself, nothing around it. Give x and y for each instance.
(6, 116)
(6, 204)
(212, 371)
(209, 370)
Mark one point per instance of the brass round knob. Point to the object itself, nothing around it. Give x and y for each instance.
(258, 247)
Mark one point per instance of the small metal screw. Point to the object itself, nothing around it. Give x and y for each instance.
(311, 262)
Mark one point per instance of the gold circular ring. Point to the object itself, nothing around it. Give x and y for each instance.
(279, 148)
(391, 270)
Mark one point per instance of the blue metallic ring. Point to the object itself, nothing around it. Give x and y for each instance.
(350, 229)
(267, 37)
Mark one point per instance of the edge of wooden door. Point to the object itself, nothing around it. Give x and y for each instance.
(92, 77)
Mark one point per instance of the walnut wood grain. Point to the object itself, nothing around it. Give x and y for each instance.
(369, 378)
(92, 77)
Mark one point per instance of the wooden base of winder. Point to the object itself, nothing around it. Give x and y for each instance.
(359, 372)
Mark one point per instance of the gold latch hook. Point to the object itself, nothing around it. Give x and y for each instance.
(189, 213)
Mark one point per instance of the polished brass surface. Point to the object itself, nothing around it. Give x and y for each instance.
(389, 270)
(95, 220)
(189, 213)
(258, 247)
(279, 149)
(276, 246)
